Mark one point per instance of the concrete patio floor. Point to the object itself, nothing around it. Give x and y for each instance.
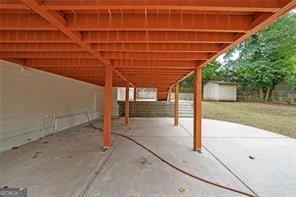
(71, 163)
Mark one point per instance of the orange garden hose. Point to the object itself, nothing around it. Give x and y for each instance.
(177, 168)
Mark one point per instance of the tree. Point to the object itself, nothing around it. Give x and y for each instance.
(266, 58)
(211, 72)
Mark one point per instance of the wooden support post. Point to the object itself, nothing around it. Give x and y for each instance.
(126, 115)
(197, 109)
(170, 94)
(107, 106)
(176, 104)
(135, 94)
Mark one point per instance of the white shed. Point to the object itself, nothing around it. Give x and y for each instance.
(219, 91)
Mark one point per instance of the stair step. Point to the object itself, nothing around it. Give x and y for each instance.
(186, 109)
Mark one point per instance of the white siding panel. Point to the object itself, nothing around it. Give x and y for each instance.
(121, 94)
(34, 103)
(211, 91)
(227, 92)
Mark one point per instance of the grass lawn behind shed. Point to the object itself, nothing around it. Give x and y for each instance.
(271, 117)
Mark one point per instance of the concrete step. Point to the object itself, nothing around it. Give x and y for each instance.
(186, 112)
(191, 115)
(186, 109)
(186, 115)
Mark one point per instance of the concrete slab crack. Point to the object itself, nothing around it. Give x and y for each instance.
(225, 166)
(98, 170)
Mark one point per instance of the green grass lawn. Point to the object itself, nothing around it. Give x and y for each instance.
(271, 117)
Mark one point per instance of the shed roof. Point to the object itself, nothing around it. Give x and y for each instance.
(148, 43)
(224, 82)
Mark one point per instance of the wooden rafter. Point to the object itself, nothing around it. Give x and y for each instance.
(58, 22)
(149, 43)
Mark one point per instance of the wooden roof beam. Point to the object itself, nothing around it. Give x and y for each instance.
(156, 56)
(130, 22)
(65, 63)
(56, 20)
(109, 55)
(257, 23)
(143, 71)
(62, 26)
(92, 63)
(198, 23)
(154, 74)
(19, 36)
(22, 36)
(209, 5)
(52, 55)
(153, 63)
(140, 47)
(164, 47)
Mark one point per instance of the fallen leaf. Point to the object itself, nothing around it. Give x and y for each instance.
(251, 157)
(36, 155)
(181, 189)
(144, 162)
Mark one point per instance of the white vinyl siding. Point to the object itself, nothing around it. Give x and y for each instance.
(214, 91)
(36, 103)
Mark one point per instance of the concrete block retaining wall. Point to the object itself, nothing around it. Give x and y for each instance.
(148, 108)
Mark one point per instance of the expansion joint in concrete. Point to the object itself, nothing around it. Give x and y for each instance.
(228, 169)
(98, 170)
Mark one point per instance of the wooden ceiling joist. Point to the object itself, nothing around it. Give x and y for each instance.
(209, 5)
(58, 21)
(140, 47)
(93, 22)
(156, 37)
(147, 43)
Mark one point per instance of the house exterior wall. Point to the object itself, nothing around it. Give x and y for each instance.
(227, 92)
(35, 103)
(121, 94)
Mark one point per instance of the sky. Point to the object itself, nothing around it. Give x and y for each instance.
(234, 57)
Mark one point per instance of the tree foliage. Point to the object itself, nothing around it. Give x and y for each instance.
(265, 59)
(210, 72)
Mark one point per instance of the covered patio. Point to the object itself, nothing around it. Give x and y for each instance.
(101, 45)
(152, 44)
(71, 163)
